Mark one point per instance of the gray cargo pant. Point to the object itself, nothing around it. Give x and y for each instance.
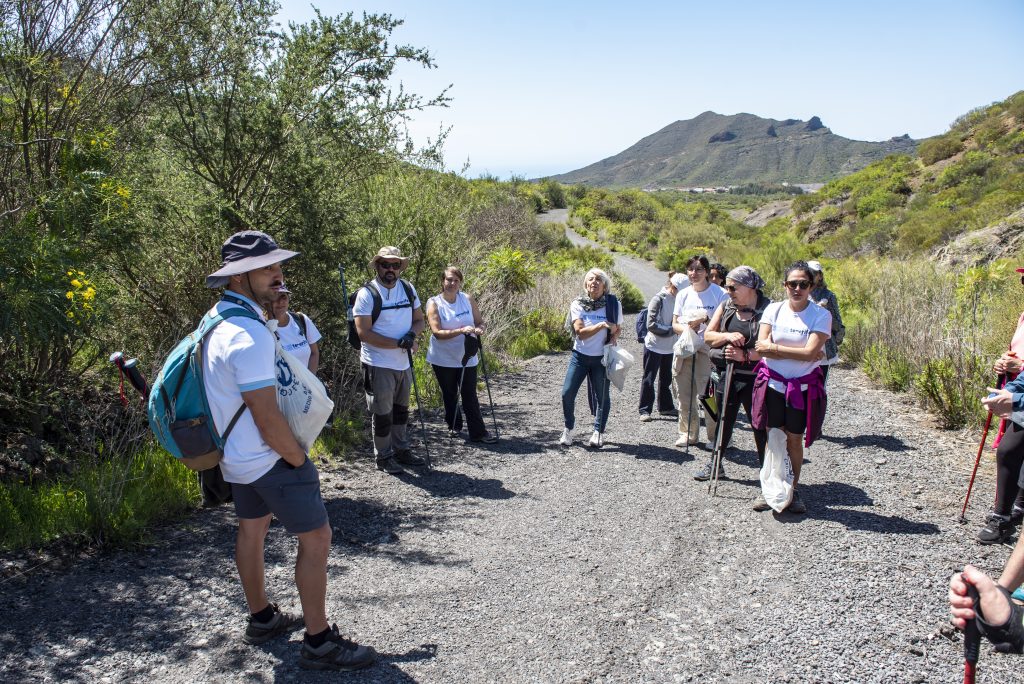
(387, 399)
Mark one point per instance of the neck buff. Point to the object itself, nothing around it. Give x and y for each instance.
(589, 304)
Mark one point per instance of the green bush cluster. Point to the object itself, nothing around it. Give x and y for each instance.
(542, 331)
(940, 147)
(889, 366)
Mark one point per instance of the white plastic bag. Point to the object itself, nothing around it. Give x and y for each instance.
(688, 344)
(301, 396)
(616, 362)
(777, 472)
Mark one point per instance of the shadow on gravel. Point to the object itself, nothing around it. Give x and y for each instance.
(439, 483)
(883, 442)
(822, 500)
(653, 452)
(384, 670)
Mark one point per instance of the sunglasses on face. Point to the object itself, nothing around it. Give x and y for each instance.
(389, 265)
(732, 288)
(798, 284)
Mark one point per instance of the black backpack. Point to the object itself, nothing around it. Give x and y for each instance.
(378, 306)
(641, 325)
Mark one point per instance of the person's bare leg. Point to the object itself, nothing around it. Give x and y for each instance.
(795, 449)
(249, 560)
(311, 576)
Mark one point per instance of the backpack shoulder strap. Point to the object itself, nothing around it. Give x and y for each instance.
(408, 292)
(300, 320)
(378, 303)
(612, 308)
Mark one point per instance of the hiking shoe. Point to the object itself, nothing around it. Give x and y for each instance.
(1018, 594)
(671, 413)
(566, 438)
(704, 474)
(337, 653)
(760, 505)
(389, 465)
(797, 505)
(257, 633)
(646, 418)
(1016, 515)
(406, 457)
(486, 438)
(997, 530)
(681, 442)
(453, 433)
(596, 440)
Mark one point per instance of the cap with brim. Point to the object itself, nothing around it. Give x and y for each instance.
(246, 251)
(389, 253)
(816, 266)
(679, 281)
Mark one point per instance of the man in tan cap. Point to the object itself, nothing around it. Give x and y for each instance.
(388, 319)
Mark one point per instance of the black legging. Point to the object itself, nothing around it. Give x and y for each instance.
(1009, 459)
(448, 381)
(741, 393)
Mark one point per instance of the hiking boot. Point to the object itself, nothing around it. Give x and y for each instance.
(261, 632)
(486, 438)
(760, 505)
(671, 413)
(797, 505)
(406, 457)
(704, 474)
(596, 440)
(566, 438)
(389, 465)
(1016, 515)
(646, 418)
(337, 653)
(997, 530)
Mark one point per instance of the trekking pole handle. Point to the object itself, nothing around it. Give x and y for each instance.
(130, 368)
(972, 638)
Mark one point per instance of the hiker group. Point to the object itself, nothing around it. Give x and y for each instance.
(709, 348)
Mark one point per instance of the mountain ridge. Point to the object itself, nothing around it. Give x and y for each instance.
(720, 149)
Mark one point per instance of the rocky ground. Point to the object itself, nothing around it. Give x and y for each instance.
(525, 562)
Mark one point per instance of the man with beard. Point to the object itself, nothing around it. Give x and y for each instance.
(269, 472)
(388, 320)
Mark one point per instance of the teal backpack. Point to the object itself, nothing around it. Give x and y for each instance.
(178, 410)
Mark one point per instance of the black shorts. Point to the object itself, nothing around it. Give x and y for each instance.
(291, 494)
(779, 415)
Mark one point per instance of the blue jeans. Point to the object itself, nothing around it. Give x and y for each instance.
(582, 366)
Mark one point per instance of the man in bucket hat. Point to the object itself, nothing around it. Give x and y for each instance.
(269, 472)
(385, 349)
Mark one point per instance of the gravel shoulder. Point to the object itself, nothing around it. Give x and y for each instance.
(527, 562)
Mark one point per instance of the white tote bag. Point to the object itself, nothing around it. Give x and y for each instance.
(301, 396)
(777, 472)
(616, 362)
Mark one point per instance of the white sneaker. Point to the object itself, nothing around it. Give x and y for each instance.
(645, 418)
(596, 440)
(566, 438)
(681, 442)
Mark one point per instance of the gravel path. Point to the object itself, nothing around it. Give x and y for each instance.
(526, 562)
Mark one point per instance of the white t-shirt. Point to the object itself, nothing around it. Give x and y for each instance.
(593, 345)
(792, 329)
(657, 344)
(392, 323)
(448, 353)
(292, 340)
(240, 356)
(689, 300)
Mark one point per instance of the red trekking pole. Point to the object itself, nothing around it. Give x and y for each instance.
(972, 639)
(1001, 380)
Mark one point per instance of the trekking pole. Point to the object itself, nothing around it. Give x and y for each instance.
(487, 384)
(689, 406)
(130, 368)
(716, 458)
(972, 639)
(419, 409)
(458, 398)
(349, 316)
(1001, 380)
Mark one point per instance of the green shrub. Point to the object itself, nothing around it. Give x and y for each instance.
(554, 192)
(541, 331)
(940, 147)
(951, 388)
(974, 163)
(629, 294)
(889, 366)
(508, 269)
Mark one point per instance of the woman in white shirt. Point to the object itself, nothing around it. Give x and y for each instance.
(595, 320)
(298, 335)
(454, 318)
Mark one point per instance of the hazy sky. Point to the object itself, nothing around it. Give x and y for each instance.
(544, 87)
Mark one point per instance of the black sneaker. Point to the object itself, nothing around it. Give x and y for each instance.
(671, 413)
(1016, 515)
(337, 653)
(406, 457)
(704, 474)
(797, 505)
(389, 465)
(261, 632)
(997, 530)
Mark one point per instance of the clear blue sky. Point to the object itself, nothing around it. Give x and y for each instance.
(541, 88)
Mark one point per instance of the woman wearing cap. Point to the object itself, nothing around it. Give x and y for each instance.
(1008, 510)
(299, 337)
(731, 335)
(824, 297)
(789, 390)
(658, 349)
(594, 317)
(453, 318)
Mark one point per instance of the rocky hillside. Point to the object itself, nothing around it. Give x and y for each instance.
(714, 149)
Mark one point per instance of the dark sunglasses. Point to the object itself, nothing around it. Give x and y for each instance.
(389, 265)
(732, 288)
(798, 284)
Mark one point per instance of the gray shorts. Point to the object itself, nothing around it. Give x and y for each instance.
(291, 494)
(385, 388)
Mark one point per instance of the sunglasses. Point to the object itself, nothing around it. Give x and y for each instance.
(732, 288)
(798, 284)
(389, 265)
